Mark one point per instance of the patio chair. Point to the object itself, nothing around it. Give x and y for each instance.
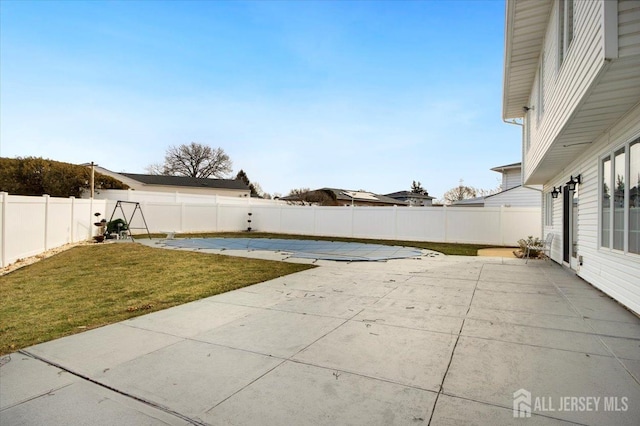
(545, 249)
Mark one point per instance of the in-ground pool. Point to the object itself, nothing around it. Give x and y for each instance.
(309, 249)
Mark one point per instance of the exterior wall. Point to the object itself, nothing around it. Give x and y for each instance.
(511, 178)
(516, 197)
(615, 273)
(628, 24)
(564, 85)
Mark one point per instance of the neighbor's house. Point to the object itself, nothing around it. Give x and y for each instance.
(342, 197)
(513, 193)
(181, 184)
(572, 74)
(412, 199)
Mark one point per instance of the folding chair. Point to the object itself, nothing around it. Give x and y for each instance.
(546, 247)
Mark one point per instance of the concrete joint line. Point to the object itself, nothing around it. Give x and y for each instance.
(455, 345)
(112, 389)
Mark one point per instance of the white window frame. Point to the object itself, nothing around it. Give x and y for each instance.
(611, 153)
(548, 209)
(566, 28)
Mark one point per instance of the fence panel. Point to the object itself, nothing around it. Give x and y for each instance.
(30, 225)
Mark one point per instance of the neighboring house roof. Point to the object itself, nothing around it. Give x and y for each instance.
(187, 181)
(409, 194)
(345, 196)
(362, 196)
(502, 169)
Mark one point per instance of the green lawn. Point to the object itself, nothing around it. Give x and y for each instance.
(90, 286)
(446, 248)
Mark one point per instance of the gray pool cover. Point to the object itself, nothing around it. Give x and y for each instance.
(309, 249)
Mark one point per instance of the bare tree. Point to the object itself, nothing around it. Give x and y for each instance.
(306, 197)
(193, 160)
(460, 192)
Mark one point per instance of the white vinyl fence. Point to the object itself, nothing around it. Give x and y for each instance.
(31, 225)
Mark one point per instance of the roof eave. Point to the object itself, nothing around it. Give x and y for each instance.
(524, 20)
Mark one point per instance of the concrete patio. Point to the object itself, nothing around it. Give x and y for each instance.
(442, 340)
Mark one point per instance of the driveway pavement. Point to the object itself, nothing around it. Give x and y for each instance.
(441, 340)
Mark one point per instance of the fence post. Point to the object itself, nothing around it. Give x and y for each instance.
(46, 221)
(73, 219)
(217, 216)
(353, 213)
(181, 217)
(395, 222)
(314, 220)
(501, 219)
(446, 223)
(3, 228)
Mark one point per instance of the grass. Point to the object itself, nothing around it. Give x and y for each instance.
(445, 248)
(91, 286)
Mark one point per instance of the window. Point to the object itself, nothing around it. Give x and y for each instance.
(634, 197)
(605, 234)
(620, 199)
(548, 209)
(565, 28)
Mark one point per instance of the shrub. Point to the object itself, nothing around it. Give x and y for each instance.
(536, 245)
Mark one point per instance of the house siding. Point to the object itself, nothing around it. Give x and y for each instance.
(511, 179)
(614, 272)
(628, 28)
(517, 197)
(564, 84)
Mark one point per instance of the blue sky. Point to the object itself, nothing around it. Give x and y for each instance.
(354, 95)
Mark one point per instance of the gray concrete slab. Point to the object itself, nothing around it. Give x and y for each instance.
(318, 303)
(615, 328)
(190, 377)
(94, 351)
(490, 371)
(419, 316)
(349, 343)
(531, 303)
(192, 318)
(299, 394)
(535, 336)
(23, 378)
(384, 352)
(603, 308)
(432, 294)
(507, 287)
(83, 403)
(464, 412)
(550, 321)
(623, 348)
(286, 332)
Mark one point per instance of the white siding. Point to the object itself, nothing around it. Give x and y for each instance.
(628, 28)
(511, 179)
(517, 197)
(615, 273)
(567, 83)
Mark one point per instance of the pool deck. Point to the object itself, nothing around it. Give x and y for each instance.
(442, 340)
